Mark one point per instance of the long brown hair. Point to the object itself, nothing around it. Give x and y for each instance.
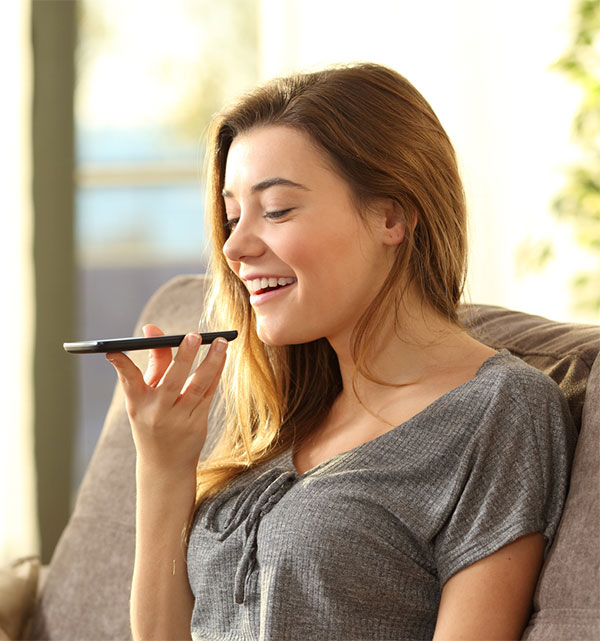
(384, 139)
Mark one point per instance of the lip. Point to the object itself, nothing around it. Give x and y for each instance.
(259, 299)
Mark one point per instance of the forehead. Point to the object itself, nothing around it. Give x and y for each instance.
(266, 152)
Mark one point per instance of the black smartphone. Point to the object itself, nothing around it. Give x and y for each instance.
(140, 342)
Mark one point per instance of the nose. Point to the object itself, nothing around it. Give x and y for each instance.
(243, 242)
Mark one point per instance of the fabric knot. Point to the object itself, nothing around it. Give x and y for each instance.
(264, 504)
(248, 508)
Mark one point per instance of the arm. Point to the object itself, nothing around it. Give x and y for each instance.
(491, 599)
(161, 598)
(168, 412)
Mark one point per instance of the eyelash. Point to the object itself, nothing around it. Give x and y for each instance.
(272, 215)
(277, 214)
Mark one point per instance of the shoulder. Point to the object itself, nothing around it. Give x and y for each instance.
(515, 405)
(504, 376)
(525, 413)
(506, 398)
(514, 463)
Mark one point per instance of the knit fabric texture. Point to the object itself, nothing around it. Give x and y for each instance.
(360, 546)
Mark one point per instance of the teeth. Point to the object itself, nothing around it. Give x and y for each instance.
(257, 284)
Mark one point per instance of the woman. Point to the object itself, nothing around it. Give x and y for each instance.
(380, 474)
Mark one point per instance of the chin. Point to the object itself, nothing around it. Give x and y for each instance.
(280, 336)
(276, 339)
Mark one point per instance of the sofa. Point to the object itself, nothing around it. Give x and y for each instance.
(85, 593)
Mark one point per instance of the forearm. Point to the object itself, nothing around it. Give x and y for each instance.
(168, 411)
(161, 598)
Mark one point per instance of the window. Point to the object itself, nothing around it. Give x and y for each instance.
(150, 76)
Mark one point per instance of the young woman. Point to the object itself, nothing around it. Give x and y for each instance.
(380, 474)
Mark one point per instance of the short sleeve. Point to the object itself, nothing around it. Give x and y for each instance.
(515, 471)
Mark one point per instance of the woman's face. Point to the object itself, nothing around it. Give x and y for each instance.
(309, 262)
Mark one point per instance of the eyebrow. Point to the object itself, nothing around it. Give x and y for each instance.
(269, 182)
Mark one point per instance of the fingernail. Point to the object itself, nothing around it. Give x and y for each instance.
(220, 345)
(193, 339)
(109, 357)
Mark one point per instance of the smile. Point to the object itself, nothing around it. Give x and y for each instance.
(262, 285)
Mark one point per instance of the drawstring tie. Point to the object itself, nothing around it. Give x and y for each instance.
(250, 506)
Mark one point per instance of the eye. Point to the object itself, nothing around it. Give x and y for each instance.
(277, 214)
(230, 224)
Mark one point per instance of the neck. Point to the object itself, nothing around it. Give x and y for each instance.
(420, 344)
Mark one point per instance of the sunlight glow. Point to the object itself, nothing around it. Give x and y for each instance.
(485, 69)
(18, 527)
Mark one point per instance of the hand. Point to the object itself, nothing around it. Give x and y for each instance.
(168, 407)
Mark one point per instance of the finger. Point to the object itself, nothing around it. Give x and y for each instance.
(158, 359)
(176, 374)
(129, 375)
(202, 385)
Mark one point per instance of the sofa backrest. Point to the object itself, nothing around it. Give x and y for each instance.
(86, 594)
(567, 598)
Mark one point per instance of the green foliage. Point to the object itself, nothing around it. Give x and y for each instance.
(579, 200)
(533, 256)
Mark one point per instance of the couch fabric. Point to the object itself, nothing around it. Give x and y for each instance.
(86, 593)
(18, 588)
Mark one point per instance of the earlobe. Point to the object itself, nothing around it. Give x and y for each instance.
(395, 233)
(395, 223)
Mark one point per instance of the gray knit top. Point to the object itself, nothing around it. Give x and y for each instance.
(359, 547)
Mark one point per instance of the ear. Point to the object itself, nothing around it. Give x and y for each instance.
(395, 221)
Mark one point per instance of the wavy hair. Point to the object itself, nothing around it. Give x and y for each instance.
(384, 139)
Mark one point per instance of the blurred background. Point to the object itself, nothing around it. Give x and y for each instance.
(104, 111)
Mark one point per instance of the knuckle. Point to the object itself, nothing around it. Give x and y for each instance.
(196, 389)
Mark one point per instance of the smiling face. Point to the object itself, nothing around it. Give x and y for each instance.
(296, 240)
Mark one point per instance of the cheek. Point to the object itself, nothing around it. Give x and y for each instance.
(233, 265)
(316, 250)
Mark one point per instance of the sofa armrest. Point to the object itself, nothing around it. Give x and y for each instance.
(19, 585)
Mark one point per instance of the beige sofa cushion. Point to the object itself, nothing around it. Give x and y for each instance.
(18, 588)
(567, 600)
(86, 595)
